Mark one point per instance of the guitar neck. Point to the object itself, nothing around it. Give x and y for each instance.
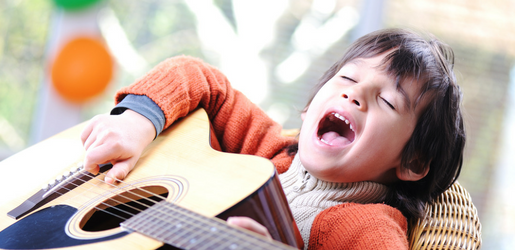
(185, 229)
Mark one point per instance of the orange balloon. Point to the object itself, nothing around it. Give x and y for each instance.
(82, 69)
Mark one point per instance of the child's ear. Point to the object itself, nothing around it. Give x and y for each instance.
(415, 170)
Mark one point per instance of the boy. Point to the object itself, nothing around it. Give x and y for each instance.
(382, 136)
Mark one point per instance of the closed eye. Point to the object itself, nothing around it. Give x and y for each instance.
(350, 79)
(388, 103)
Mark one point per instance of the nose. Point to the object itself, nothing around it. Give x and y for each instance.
(356, 98)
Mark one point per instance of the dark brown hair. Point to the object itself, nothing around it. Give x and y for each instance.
(439, 137)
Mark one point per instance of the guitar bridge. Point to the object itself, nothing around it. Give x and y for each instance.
(55, 188)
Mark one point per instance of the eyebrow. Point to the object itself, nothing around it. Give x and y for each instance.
(357, 61)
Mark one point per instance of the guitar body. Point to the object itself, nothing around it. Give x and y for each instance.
(180, 167)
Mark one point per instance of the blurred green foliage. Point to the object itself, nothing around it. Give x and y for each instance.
(24, 27)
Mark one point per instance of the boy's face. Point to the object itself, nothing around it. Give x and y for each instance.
(358, 124)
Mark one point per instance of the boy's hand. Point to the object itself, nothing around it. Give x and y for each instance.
(119, 139)
(249, 224)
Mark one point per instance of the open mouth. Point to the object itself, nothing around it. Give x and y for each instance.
(335, 130)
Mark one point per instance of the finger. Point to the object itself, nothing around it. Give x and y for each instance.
(119, 171)
(90, 133)
(86, 131)
(89, 162)
(249, 224)
(89, 128)
(92, 168)
(99, 154)
(90, 140)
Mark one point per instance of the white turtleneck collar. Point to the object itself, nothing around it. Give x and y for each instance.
(308, 196)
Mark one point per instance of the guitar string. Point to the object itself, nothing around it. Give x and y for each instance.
(210, 224)
(85, 190)
(116, 201)
(77, 194)
(176, 209)
(177, 236)
(110, 198)
(104, 195)
(209, 220)
(136, 194)
(219, 241)
(213, 240)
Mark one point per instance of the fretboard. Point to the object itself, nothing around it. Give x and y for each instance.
(185, 229)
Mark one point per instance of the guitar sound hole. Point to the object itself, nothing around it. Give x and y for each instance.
(110, 213)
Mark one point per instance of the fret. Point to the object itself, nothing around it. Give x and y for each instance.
(185, 229)
(217, 241)
(211, 239)
(236, 244)
(203, 229)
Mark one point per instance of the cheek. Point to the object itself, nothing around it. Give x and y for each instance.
(324, 93)
(311, 113)
(384, 153)
(398, 138)
(389, 140)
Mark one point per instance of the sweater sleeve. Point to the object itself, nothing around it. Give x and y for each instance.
(359, 226)
(181, 84)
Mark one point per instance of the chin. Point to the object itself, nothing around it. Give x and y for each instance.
(317, 168)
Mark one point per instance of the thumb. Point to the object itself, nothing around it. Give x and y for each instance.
(118, 172)
(249, 224)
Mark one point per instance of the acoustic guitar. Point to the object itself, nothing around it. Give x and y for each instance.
(178, 196)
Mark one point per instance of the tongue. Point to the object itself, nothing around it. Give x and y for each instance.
(334, 139)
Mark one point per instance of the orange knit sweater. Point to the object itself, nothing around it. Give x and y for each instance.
(181, 84)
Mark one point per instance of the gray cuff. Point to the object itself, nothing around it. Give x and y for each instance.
(145, 107)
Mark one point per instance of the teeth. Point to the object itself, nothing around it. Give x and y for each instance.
(345, 120)
(324, 141)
